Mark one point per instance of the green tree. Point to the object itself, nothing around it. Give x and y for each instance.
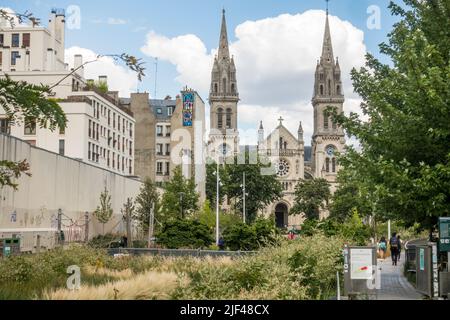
(405, 146)
(127, 215)
(310, 197)
(207, 216)
(104, 211)
(180, 197)
(185, 234)
(147, 200)
(262, 189)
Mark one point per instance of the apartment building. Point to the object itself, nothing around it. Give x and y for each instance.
(100, 131)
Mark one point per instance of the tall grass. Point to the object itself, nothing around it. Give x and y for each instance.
(146, 286)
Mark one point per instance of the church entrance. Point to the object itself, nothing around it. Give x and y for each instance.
(281, 215)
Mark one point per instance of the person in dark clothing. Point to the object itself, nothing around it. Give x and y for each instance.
(221, 244)
(393, 243)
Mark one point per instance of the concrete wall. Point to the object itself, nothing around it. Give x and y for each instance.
(144, 138)
(59, 183)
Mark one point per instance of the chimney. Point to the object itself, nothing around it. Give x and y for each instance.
(103, 79)
(78, 62)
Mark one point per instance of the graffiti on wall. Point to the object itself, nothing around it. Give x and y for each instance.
(188, 109)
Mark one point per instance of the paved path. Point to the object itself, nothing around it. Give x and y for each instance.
(394, 285)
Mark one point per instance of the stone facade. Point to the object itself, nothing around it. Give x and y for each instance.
(291, 160)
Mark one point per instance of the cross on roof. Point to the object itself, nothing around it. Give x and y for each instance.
(281, 121)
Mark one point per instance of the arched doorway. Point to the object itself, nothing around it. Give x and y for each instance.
(281, 215)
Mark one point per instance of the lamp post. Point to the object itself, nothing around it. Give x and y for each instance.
(181, 204)
(217, 203)
(244, 213)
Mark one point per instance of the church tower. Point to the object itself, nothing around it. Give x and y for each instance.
(223, 99)
(328, 137)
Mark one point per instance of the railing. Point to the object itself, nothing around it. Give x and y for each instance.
(280, 152)
(180, 252)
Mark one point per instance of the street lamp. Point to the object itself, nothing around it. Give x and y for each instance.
(181, 204)
(244, 193)
(217, 174)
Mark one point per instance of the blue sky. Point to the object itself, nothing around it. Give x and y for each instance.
(183, 33)
(176, 17)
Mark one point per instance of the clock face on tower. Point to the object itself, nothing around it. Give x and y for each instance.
(330, 151)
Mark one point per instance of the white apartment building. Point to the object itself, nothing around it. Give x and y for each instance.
(100, 131)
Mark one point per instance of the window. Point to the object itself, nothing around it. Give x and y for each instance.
(333, 165)
(15, 40)
(167, 168)
(325, 120)
(131, 130)
(229, 114)
(321, 89)
(338, 90)
(26, 40)
(167, 149)
(327, 165)
(1, 57)
(224, 85)
(62, 147)
(14, 56)
(159, 149)
(159, 131)
(5, 128)
(113, 160)
(108, 159)
(169, 111)
(159, 168)
(89, 151)
(159, 111)
(123, 164)
(321, 76)
(131, 148)
(118, 123)
(30, 127)
(168, 128)
(220, 118)
(2, 39)
(131, 167)
(215, 88)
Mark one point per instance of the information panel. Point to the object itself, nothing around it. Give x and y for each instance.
(361, 261)
(444, 234)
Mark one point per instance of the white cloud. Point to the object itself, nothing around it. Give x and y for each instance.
(116, 21)
(275, 59)
(119, 77)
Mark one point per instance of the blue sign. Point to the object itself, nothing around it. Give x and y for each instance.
(188, 109)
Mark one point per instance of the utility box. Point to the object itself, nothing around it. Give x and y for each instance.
(444, 284)
(9, 247)
(360, 271)
(444, 234)
(427, 275)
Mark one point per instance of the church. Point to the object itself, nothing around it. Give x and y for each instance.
(291, 159)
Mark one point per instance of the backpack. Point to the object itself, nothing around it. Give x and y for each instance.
(382, 245)
(394, 242)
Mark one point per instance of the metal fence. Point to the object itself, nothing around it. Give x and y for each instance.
(180, 252)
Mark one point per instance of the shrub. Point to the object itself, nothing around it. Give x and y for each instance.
(178, 234)
(104, 241)
(246, 237)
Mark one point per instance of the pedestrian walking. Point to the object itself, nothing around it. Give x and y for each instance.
(393, 243)
(382, 247)
(221, 244)
(400, 246)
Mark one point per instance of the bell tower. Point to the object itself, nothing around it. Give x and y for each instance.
(224, 98)
(328, 137)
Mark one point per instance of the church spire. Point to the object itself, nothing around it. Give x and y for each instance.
(327, 47)
(224, 51)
